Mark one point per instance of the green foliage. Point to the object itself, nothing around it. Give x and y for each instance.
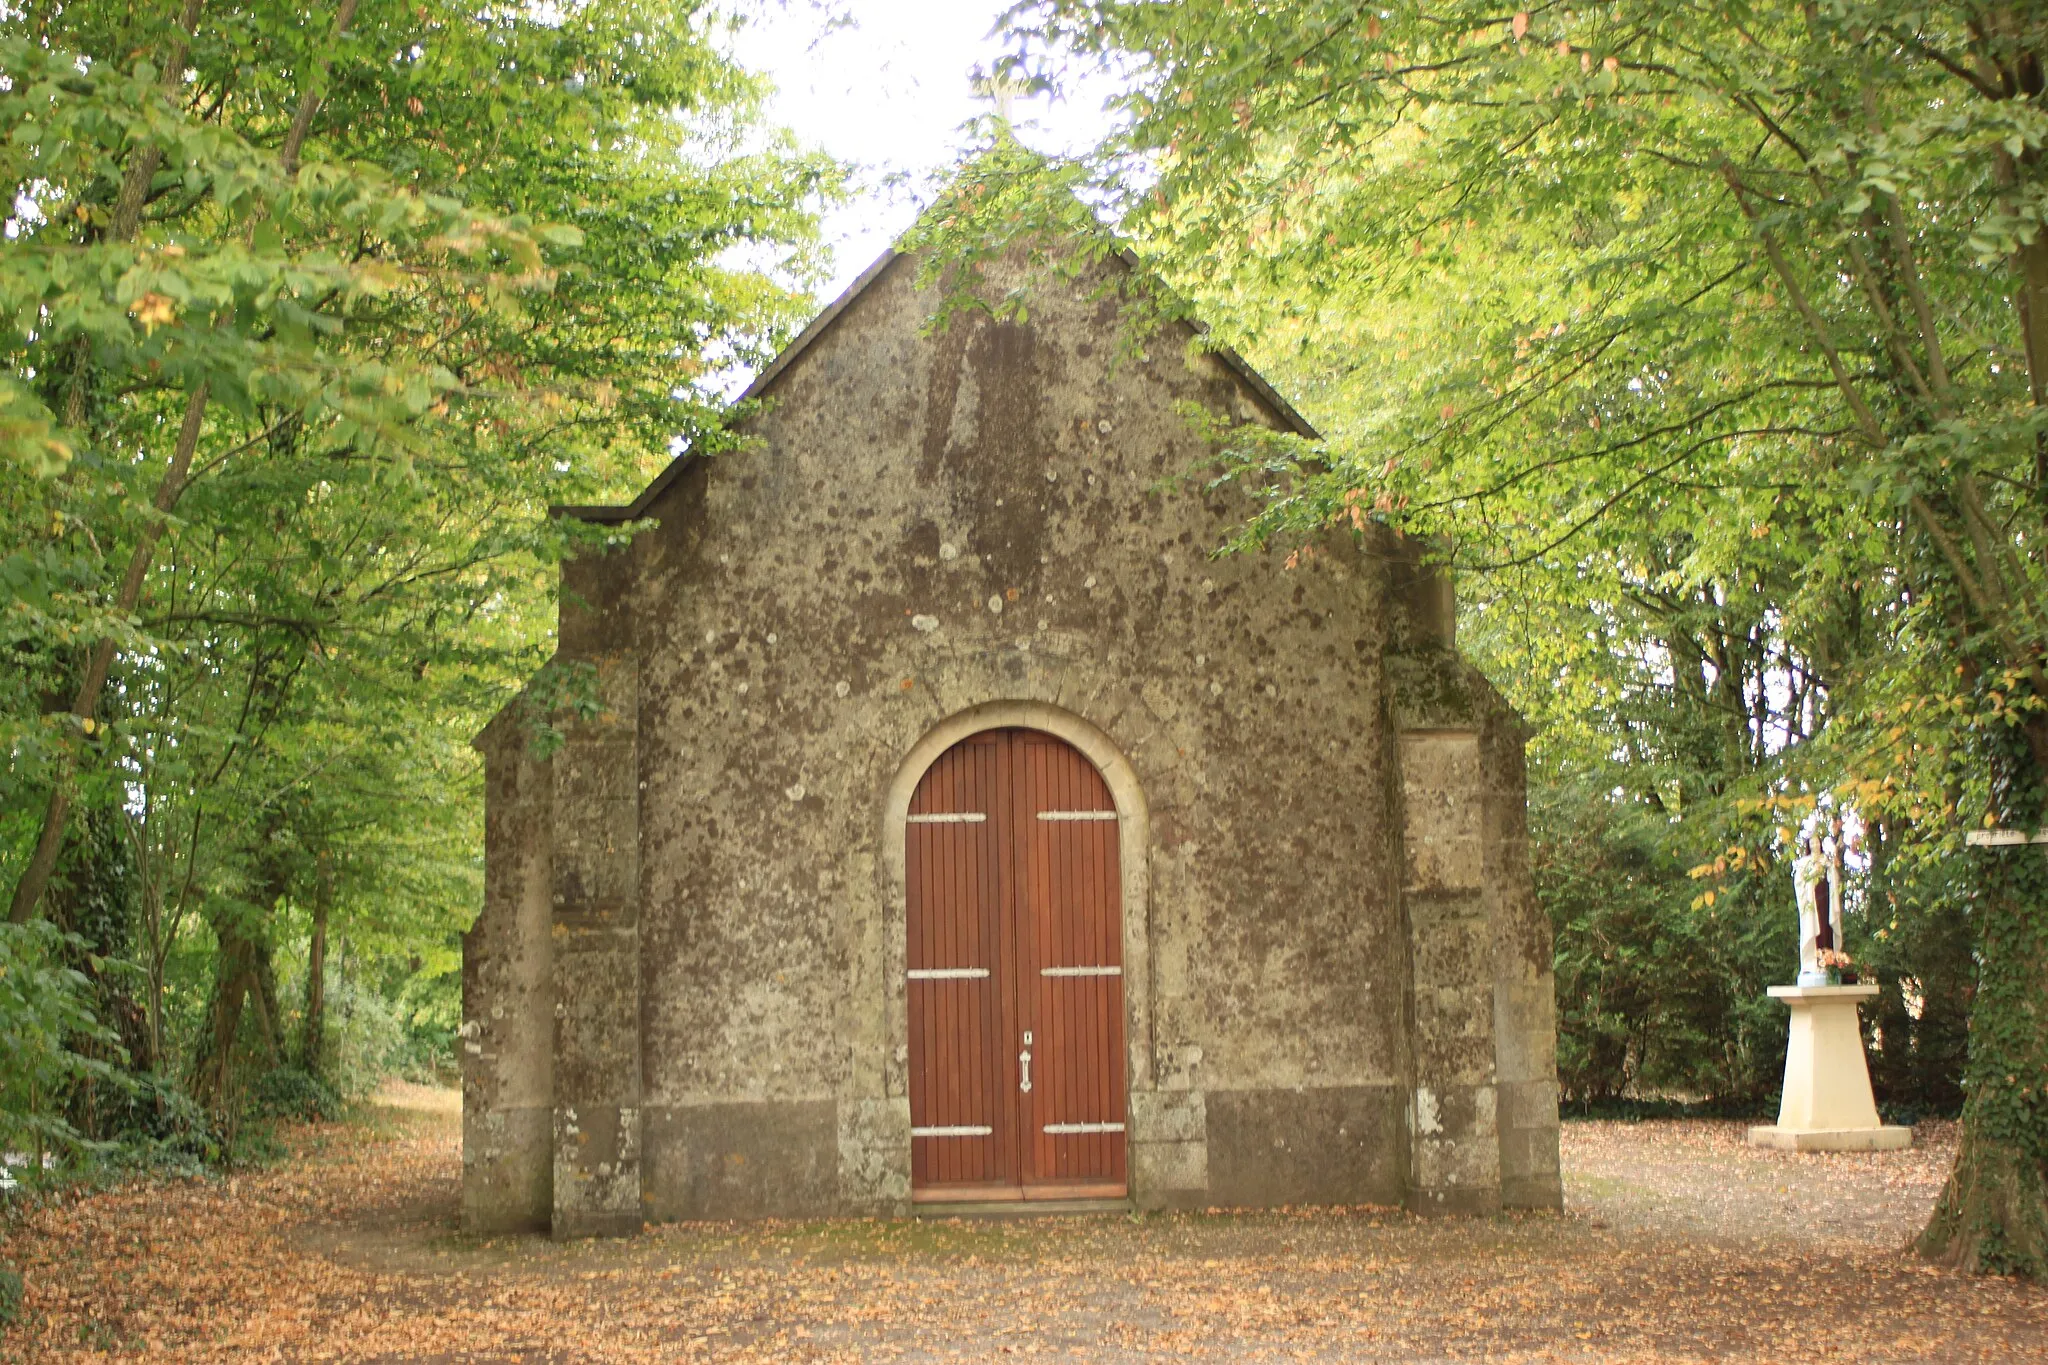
(293, 1095)
(45, 1017)
(394, 1011)
(563, 690)
(10, 1296)
(1657, 993)
(150, 1124)
(1647, 312)
(308, 322)
(1704, 339)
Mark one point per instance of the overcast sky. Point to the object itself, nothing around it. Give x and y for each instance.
(887, 84)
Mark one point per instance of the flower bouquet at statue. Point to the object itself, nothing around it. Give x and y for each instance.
(1831, 967)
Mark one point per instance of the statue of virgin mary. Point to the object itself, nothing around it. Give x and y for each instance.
(1810, 892)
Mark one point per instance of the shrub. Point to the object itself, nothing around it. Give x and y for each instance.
(45, 1016)
(1657, 995)
(293, 1095)
(366, 1040)
(151, 1124)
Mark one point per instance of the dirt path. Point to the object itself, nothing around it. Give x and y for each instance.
(1680, 1245)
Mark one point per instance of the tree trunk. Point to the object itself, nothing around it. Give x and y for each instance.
(269, 1019)
(313, 1028)
(1992, 1217)
(240, 983)
(213, 1066)
(241, 974)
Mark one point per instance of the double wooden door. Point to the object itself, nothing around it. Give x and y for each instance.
(1015, 988)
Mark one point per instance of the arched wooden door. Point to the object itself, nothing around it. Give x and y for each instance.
(1016, 998)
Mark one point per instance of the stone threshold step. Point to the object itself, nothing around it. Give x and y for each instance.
(1021, 1208)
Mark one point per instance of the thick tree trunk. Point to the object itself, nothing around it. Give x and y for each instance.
(213, 1064)
(1992, 1217)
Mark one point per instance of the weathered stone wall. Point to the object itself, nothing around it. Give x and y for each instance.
(551, 972)
(507, 1001)
(1455, 1152)
(595, 894)
(929, 533)
(928, 525)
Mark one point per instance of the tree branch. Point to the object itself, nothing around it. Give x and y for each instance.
(1873, 430)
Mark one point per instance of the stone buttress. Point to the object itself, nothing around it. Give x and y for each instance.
(1483, 1115)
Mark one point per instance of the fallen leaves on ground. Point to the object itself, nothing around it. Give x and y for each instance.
(1681, 1244)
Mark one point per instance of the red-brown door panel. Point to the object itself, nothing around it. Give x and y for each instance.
(1015, 947)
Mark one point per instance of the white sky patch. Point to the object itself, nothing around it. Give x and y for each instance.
(886, 85)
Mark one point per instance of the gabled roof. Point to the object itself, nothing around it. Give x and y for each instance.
(819, 325)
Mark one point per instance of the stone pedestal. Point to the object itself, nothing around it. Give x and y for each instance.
(1827, 1105)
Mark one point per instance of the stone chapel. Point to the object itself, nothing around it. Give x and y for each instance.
(959, 828)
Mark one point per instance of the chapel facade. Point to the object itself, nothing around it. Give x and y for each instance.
(958, 827)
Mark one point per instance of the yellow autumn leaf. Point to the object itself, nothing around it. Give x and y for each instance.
(154, 310)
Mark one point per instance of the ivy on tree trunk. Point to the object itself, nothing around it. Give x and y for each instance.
(1992, 1216)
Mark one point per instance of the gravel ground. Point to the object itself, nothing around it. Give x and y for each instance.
(1702, 1178)
(1679, 1244)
